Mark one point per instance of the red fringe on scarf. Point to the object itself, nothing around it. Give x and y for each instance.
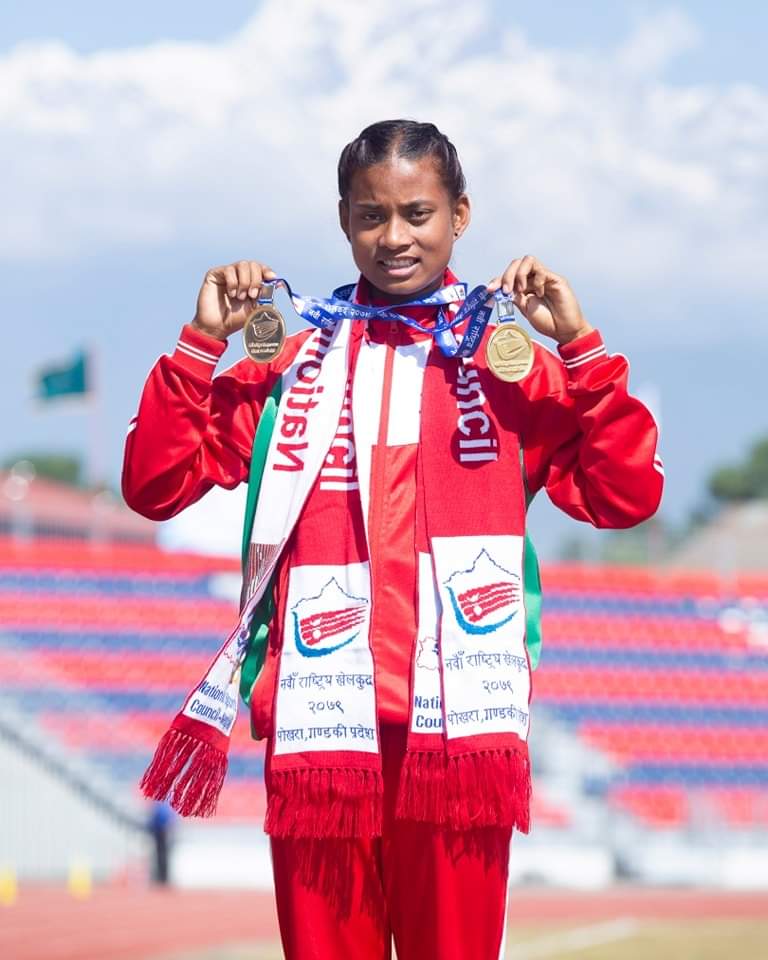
(191, 771)
(314, 803)
(490, 788)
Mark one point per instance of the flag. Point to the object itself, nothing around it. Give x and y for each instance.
(66, 380)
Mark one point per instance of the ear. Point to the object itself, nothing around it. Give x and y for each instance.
(344, 217)
(461, 216)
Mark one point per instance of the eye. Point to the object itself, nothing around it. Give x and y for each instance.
(418, 216)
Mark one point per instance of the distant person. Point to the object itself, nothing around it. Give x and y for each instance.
(391, 517)
(160, 826)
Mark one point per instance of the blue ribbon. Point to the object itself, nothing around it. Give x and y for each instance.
(476, 310)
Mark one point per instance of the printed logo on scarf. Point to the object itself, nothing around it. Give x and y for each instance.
(484, 597)
(428, 654)
(486, 675)
(329, 621)
(325, 693)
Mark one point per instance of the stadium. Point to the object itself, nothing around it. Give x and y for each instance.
(650, 809)
(622, 145)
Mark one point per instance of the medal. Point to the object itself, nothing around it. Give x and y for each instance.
(264, 329)
(509, 351)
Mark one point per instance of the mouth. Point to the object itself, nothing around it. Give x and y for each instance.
(398, 266)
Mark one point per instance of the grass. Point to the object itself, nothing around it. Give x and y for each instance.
(613, 940)
(644, 940)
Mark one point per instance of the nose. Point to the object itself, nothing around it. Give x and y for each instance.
(396, 234)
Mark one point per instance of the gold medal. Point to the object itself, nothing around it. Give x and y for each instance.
(264, 330)
(509, 352)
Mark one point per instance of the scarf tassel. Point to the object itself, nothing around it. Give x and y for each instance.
(189, 771)
(314, 803)
(490, 788)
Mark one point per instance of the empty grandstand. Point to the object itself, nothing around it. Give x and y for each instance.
(650, 720)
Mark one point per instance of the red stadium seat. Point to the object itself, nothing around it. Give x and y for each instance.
(104, 642)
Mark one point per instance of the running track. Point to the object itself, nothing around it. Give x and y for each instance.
(119, 923)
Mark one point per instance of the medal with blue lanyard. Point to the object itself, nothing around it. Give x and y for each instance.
(509, 350)
(264, 330)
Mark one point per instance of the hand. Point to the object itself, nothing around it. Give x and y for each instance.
(545, 299)
(228, 295)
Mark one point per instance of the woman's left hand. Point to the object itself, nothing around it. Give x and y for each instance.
(544, 298)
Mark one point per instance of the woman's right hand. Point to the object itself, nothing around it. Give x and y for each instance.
(228, 295)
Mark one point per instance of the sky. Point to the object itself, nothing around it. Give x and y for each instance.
(624, 144)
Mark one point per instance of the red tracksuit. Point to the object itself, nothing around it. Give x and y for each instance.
(585, 440)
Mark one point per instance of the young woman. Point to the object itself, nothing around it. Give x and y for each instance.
(389, 537)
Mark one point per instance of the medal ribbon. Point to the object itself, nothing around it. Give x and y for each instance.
(476, 310)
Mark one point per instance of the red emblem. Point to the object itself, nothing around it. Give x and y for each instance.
(478, 603)
(315, 629)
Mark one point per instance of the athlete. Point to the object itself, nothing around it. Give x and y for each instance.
(395, 686)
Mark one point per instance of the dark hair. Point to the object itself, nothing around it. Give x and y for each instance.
(401, 138)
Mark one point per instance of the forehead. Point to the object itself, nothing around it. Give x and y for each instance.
(398, 180)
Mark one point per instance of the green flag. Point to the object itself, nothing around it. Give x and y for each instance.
(63, 381)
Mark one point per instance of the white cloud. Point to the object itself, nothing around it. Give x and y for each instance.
(600, 166)
(655, 41)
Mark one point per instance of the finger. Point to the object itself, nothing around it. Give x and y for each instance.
(243, 268)
(493, 285)
(508, 278)
(538, 280)
(258, 274)
(521, 301)
(527, 264)
(230, 279)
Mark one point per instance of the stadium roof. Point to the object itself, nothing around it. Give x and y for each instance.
(735, 540)
(33, 506)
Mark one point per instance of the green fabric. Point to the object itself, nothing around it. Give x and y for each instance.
(532, 590)
(257, 643)
(258, 459)
(69, 380)
(531, 587)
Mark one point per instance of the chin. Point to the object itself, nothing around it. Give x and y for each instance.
(390, 285)
(405, 286)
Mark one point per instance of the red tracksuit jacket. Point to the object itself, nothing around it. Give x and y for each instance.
(585, 440)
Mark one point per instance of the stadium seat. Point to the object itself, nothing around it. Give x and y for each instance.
(101, 646)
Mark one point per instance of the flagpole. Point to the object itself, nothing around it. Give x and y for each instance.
(96, 474)
(82, 378)
(96, 465)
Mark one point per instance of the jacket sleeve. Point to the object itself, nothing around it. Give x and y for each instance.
(586, 441)
(192, 430)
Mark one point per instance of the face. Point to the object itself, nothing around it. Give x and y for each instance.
(402, 224)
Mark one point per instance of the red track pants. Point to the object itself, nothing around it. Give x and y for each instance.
(441, 894)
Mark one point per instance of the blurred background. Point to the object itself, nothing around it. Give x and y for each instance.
(625, 145)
